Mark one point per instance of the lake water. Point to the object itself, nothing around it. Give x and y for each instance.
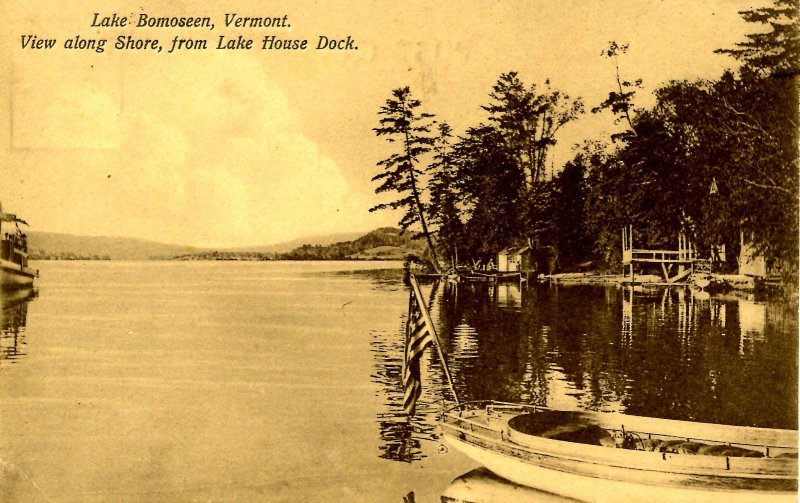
(223, 381)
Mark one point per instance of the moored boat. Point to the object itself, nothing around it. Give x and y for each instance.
(702, 282)
(596, 456)
(14, 270)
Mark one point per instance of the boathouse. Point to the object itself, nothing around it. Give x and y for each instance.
(515, 259)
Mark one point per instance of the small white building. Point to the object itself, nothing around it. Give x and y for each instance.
(754, 264)
(514, 259)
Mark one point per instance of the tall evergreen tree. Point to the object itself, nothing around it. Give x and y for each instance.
(569, 195)
(491, 185)
(444, 211)
(401, 121)
(528, 120)
(775, 51)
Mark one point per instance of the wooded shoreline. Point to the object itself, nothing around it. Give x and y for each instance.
(714, 161)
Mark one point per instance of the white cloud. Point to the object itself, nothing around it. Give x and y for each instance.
(210, 152)
(53, 107)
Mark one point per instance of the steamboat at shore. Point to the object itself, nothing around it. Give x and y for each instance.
(14, 270)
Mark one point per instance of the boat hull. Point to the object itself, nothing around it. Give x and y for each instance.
(521, 444)
(602, 490)
(15, 276)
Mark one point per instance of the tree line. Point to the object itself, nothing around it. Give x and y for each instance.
(714, 159)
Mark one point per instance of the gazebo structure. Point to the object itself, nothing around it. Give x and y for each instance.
(681, 260)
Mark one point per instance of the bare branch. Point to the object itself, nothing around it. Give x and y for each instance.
(769, 187)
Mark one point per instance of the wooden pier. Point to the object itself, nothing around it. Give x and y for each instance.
(682, 259)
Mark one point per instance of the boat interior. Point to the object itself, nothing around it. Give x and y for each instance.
(515, 423)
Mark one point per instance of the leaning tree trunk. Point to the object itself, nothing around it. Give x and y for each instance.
(420, 211)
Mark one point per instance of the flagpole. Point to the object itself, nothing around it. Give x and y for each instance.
(427, 317)
(408, 334)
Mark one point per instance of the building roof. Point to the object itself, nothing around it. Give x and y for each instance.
(514, 250)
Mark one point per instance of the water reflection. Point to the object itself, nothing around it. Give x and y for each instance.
(381, 277)
(508, 294)
(13, 321)
(659, 352)
(402, 436)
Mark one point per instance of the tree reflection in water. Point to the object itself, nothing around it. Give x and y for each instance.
(659, 352)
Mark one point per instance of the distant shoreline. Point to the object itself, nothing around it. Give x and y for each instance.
(385, 243)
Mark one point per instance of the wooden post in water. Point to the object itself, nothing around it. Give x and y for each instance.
(630, 245)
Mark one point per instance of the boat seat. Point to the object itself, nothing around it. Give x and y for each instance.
(569, 426)
(694, 447)
(563, 425)
(592, 435)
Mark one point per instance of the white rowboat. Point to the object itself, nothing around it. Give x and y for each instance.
(613, 457)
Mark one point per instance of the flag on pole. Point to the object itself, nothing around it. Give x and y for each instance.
(418, 336)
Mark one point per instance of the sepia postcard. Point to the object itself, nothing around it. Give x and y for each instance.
(399, 251)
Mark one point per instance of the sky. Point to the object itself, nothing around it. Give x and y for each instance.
(249, 147)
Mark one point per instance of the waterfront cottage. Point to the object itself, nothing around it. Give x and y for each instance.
(515, 259)
(754, 264)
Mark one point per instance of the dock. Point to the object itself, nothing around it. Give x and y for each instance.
(681, 261)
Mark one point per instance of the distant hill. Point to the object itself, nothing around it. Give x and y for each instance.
(385, 243)
(66, 246)
(287, 246)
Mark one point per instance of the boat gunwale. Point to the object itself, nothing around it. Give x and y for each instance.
(728, 434)
(666, 463)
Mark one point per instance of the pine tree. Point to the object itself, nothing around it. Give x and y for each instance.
(528, 119)
(401, 121)
(491, 186)
(444, 211)
(777, 51)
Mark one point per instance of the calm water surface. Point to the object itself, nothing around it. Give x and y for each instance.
(220, 381)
